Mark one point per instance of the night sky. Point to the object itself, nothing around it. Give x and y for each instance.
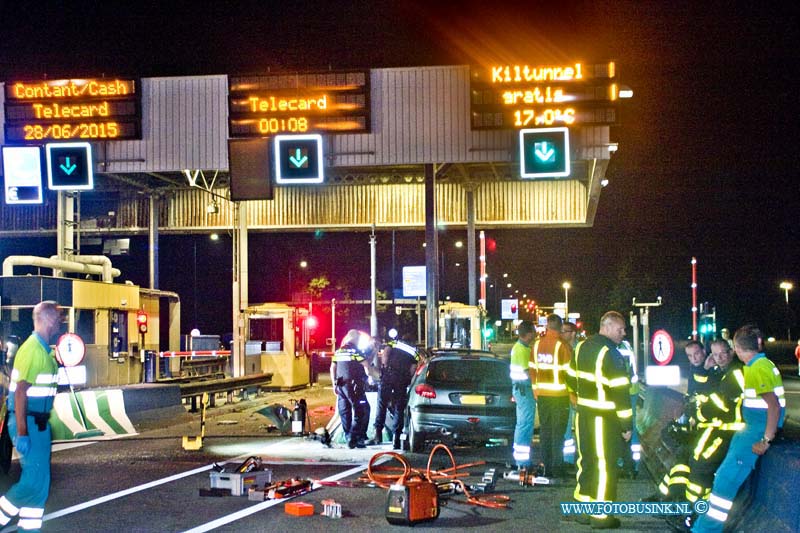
(707, 164)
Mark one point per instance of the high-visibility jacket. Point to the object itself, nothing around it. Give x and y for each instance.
(349, 363)
(761, 376)
(36, 365)
(598, 376)
(701, 380)
(551, 359)
(722, 408)
(401, 358)
(520, 361)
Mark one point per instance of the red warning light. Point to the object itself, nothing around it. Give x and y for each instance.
(141, 321)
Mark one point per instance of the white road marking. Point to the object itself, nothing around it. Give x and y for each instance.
(120, 494)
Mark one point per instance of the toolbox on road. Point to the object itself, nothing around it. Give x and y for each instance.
(239, 482)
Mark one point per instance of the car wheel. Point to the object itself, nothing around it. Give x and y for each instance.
(416, 441)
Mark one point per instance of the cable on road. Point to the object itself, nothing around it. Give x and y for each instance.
(386, 475)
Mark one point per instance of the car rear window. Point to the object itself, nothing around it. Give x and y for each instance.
(469, 371)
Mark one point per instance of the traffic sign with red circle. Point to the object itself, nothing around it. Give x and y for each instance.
(663, 348)
(70, 349)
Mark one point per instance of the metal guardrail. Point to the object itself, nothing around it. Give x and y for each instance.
(195, 389)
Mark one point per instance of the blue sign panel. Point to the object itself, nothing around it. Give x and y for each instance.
(22, 173)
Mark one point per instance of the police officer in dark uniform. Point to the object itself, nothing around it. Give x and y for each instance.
(398, 364)
(349, 370)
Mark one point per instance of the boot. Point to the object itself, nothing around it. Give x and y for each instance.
(377, 439)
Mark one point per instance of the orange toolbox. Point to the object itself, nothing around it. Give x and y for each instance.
(299, 508)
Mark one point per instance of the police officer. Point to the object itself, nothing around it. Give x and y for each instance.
(34, 381)
(598, 376)
(519, 369)
(349, 371)
(398, 364)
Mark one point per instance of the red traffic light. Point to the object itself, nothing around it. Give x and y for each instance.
(311, 322)
(141, 321)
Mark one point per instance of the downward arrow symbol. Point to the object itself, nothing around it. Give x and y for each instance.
(298, 159)
(544, 152)
(68, 169)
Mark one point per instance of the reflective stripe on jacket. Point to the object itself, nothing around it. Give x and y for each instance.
(598, 376)
(551, 359)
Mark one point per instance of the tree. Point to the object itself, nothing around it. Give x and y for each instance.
(317, 285)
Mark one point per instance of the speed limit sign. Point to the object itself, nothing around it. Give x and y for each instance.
(663, 348)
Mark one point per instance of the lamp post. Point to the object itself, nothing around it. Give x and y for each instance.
(566, 286)
(786, 286)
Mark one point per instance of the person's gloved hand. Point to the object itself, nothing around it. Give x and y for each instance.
(23, 444)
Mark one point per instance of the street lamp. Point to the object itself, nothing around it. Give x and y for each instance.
(786, 286)
(566, 286)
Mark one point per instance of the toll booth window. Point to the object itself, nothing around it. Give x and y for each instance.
(17, 322)
(84, 325)
(268, 331)
(118, 333)
(456, 332)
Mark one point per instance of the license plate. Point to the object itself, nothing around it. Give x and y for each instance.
(473, 399)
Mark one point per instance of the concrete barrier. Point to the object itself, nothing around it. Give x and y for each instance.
(102, 409)
(113, 411)
(768, 502)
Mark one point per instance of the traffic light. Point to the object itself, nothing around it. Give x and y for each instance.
(311, 322)
(141, 321)
(488, 333)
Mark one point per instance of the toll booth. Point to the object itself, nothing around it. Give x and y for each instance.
(274, 344)
(104, 315)
(460, 326)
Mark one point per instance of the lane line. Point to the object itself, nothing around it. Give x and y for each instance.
(219, 522)
(126, 492)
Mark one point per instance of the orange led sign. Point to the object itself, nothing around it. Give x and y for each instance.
(72, 109)
(68, 89)
(333, 102)
(517, 96)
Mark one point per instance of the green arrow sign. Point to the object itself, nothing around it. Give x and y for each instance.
(68, 169)
(298, 159)
(544, 153)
